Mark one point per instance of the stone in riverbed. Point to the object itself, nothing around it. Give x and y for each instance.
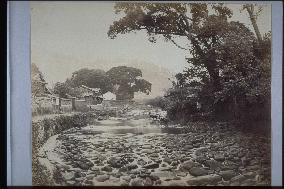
(167, 160)
(248, 182)
(148, 151)
(132, 176)
(136, 182)
(204, 180)
(185, 166)
(131, 166)
(124, 183)
(187, 147)
(162, 175)
(122, 169)
(253, 167)
(106, 168)
(174, 163)
(95, 169)
(198, 171)
(70, 182)
(163, 165)
(227, 175)
(147, 147)
(79, 174)
(219, 157)
(212, 164)
(158, 182)
(116, 162)
(68, 175)
(238, 178)
(90, 176)
(85, 165)
(151, 166)
(79, 179)
(148, 182)
(126, 178)
(101, 178)
(154, 155)
(200, 159)
(181, 174)
(250, 175)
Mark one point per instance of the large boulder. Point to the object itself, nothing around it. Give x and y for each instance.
(68, 175)
(106, 168)
(116, 162)
(101, 178)
(198, 171)
(187, 165)
(228, 174)
(204, 180)
(136, 182)
(151, 166)
(213, 164)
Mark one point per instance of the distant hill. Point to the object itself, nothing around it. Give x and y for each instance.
(155, 74)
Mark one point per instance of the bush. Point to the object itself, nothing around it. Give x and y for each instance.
(160, 102)
(181, 111)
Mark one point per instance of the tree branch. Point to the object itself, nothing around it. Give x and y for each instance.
(178, 45)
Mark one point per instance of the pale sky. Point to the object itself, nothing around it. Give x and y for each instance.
(67, 36)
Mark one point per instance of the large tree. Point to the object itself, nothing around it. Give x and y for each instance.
(93, 78)
(62, 89)
(177, 20)
(126, 81)
(223, 56)
(254, 11)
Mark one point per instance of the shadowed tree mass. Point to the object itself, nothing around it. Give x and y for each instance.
(225, 58)
(126, 81)
(121, 80)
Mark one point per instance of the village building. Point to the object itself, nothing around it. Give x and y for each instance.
(92, 96)
(109, 96)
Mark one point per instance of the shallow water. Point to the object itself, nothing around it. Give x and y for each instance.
(136, 142)
(140, 126)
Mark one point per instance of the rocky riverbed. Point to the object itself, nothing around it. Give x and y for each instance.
(124, 151)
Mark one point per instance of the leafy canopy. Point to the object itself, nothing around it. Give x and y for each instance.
(128, 79)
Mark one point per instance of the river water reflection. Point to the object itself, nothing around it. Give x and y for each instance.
(139, 126)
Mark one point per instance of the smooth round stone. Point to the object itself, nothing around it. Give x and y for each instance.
(101, 178)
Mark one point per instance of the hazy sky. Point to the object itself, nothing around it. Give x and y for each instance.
(67, 36)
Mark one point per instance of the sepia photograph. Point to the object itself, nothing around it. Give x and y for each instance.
(150, 93)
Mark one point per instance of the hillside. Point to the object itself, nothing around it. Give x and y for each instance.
(155, 74)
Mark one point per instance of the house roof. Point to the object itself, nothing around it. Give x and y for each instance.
(91, 89)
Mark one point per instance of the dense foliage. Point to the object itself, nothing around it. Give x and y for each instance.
(121, 80)
(228, 68)
(127, 81)
(93, 78)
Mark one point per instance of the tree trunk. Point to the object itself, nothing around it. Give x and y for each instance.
(211, 66)
(253, 21)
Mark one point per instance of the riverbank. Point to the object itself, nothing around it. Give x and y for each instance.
(44, 127)
(124, 151)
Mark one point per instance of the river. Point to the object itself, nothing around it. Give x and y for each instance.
(135, 150)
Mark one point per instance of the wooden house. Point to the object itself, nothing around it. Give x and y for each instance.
(91, 95)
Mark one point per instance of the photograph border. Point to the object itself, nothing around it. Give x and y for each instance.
(19, 93)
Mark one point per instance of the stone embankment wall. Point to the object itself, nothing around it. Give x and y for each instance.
(47, 126)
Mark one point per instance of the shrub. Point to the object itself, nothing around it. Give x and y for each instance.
(160, 102)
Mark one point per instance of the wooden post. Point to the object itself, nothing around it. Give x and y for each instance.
(73, 103)
(59, 104)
